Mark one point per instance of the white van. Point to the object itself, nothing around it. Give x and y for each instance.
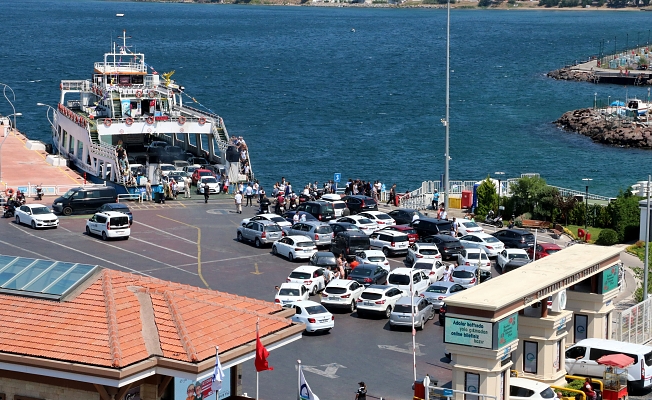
(581, 359)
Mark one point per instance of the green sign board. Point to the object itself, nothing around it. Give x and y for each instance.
(506, 330)
(468, 332)
(609, 279)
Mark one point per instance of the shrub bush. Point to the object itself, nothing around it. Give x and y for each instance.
(607, 237)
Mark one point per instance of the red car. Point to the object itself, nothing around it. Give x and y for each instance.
(199, 173)
(543, 250)
(407, 229)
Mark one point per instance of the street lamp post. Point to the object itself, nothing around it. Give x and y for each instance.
(4, 93)
(5, 138)
(50, 120)
(586, 199)
(595, 100)
(500, 188)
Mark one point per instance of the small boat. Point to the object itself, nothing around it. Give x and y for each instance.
(119, 15)
(637, 106)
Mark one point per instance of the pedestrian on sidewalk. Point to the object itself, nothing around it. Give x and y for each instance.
(207, 191)
(238, 202)
(392, 194)
(249, 193)
(361, 394)
(148, 190)
(186, 184)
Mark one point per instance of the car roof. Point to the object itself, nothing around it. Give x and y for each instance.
(365, 266)
(402, 271)
(358, 196)
(299, 238)
(373, 212)
(445, 238)
(515, 251)
(481, 235)
(469, 268)
(352, 233)
(339, 283)
(378, 288)
(34, 205)
(408, 210)
(305, 303)
(444, 284)
(202, 170)
(264, 222)
(431, 261)
(531, 384)
(518, 231)
(112, 214)
(324, 253)
(399, 227)
(549, 245)
(306, 268)
(313, 223)
(406, 300)
(473, 250)
(625, 347)
(291, 285)
(117, 205)
(392, 233)
(422, 244)
(374, 253)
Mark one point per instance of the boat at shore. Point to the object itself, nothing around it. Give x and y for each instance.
(104, 124)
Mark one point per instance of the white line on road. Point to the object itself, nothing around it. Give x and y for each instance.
(329, 372)
(163, 247)
(407, 350)
(165, 232)
(224, 259)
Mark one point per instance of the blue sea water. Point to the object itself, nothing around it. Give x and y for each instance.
(313, 97)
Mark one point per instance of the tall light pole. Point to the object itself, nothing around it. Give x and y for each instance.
(586, 198)
(500, 188)
(5, 138)
(4, 92)
(51, 121)
(595, 100)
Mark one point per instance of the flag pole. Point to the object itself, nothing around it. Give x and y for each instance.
(257, 373)
(299, 380)
(217, 348)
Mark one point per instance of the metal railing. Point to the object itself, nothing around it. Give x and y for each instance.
(635, 323)
(49, 190)
(131, 196)
(436, 392)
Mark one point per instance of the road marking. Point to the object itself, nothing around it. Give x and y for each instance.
(225, 259)
(329, 372)
(201, 276)
(407, 350)
(256, 272)
(219, 211)
(163, 247)
(24, 249)
(167, 233)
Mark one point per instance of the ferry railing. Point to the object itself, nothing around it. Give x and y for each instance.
(110, 66)
(75, 85)
(131, 196)
(50, 190)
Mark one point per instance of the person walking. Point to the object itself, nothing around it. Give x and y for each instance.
(206, 192)
(361, 394)
(587, 388)
(238, 202)
(249, 192)
(148, 190)
(392, 194)
(435, 200)
(455, 227)
(186, 185)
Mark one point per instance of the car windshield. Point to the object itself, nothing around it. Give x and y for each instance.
(463, 274)
(365, 221)
(360, 272)
(324, 229)
(168, 168)
(428, 252)
(396, 279)
(437, 289)
(473, 256)
(209, 180)
(336, 290)
(370, 296)
(383, 216)
(319, 309)
(277, 219)
(304, 244)
(289, 292)
(423, 266)
(491, 239)
(69, 194)
(552, 251)
(300, 275)
(517, 255)
(470, 225)
(272, 228)
(376, 258)
(40, 210)
(339, 206)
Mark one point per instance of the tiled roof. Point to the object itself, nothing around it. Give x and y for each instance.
(122, 318)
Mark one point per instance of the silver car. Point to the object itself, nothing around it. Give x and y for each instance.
(402, 313)
(259, 232)
(319, 232)
(439, 291)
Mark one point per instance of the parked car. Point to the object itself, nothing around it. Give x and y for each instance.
(378, 299)
(314, 315)
(342, 293)
(474, 257)
(109, 225)
(359, 203)
(201, 161)
(401, 278)
(118, 207)
(449, 247)
(178, 178)
(199, 173)
(419, 251)
(365, 224)
(404, 216)
(294, 247)
(310, 276)
(319, 232)
(166, 169)
(543, 250)
(259, 232)
(36, 216)
(515, 238)
(349, 243)
(291, 292)
(322, 210)
(514, 264)
(529, 389)
(280, 221)
(401, 315)
(439, 291)
(172, 153)
(491, 245)
(84, 199)
(431, 226)
(380, 218)
(389, 242)
(467, 276)
(372, 257)
(406, 229)
(323, 259)
(344, 226)
(507, 255)
(433, 268)
(289, 216)
(338, 207)
(464, 227)
(189, 170)
(211, 182)
(369, 274)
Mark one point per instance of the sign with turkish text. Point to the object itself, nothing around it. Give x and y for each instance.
(507, 330)
(468, 332)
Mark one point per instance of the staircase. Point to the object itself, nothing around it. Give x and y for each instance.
(117, 106)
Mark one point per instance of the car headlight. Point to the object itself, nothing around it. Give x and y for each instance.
(58, 204)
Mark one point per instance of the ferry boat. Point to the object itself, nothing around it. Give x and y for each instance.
(115, 116)
(638, 107)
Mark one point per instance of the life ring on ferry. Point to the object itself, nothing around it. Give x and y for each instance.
(202, 121)
(129, 121)
(152, 93)
(9, 192)
(107, 122)
(150, 120)
(182, 120)
(139, 93)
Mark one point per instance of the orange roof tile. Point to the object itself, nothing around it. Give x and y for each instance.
(103, 325)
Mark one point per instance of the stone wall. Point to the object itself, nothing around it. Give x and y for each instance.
(13, 387)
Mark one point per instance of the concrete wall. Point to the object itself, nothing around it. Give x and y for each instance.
(12, 387)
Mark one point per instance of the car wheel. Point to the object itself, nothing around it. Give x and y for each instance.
(388, 311)
(33, 225)
(126, 238)
(104, 236)
(386, 251)
(257, 243)
(239, 237)
(432, 313)
(290, 257)
(88, 231)
(17, 220)
(352, 306)
(274, 251)
(422, 324)
(66, 211)
(313, 291)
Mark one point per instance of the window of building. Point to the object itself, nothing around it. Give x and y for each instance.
(471, 384)
(530, 356)
(581, 325)
(557, 363)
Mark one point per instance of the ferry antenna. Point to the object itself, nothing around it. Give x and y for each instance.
(124, 38)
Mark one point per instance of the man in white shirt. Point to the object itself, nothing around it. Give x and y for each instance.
(238, 202)
(295, 218)
(249, 192)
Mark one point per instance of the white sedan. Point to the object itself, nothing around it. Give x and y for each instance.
(465, 227)
(433, 268)
(484, 241)
(37, 216)
(291, 292)
(474, 257)
(380, 218)
(508, 255)
(294, 247)
(418, 251)
(280, 221)
(373, 257)
(365, 224)
(342, 293)
(314, 315)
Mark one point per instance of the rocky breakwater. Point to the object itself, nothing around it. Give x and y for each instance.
(570, 74)
(607, 129)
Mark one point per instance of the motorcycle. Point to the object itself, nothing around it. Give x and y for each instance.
(10, 209)
(39, 193)
(490, 220)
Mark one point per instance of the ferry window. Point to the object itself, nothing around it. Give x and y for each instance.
(71, 144)
(80, 149)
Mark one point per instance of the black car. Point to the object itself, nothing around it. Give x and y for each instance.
(515, 264)
(448, 246)
(432, 226)
(118, 207)
(322, 210)
(324, 259)
(359, 203)
(343, 227)
(172, 153)
(349, 243)
(197, 161)
(515, 238)
(403, 216)
(369, 274)
(290, 215)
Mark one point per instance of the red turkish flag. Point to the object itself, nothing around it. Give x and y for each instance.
(261, 356)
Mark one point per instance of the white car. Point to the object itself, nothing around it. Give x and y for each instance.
(331, 197)
(339, 207)
(280, 221)
(365, 224)
(291, 292)
(465, 227)
(402, 277)
(528, 389)
(314, 315)
(310, 276)
(508, 255)
(342, 293)
(36, 216)
(294, 247)
(484, 241)
(390, 242)
(373, 257)
(417, 251)
(166, 169)
(474, 257)
(380, 218)
(378, 299)
(433, 268)
(211, 182)
(109, 224)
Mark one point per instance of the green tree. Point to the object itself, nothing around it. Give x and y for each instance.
(625, 215)
(484, 3)
(525, 193)
(545, 203)
(487, 198)
(565, 204)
